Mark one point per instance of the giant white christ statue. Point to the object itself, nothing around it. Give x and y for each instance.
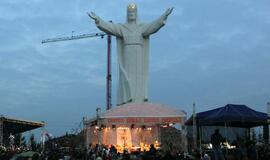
(133, 52)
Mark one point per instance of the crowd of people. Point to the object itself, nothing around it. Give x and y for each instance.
(7, 153)
(105, 153)
(110, 153)
(243, 149)
(93, 152)
(67, 148)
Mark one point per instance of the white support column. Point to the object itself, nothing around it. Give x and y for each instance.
(85, 132)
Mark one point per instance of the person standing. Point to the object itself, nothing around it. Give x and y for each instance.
(252, 153)
(11, 139)
(216, 140)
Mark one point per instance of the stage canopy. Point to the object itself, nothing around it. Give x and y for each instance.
(231, 115)
(15, 126)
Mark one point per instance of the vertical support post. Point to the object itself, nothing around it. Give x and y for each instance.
(268, 113)
(158, 133)
(248, 134)
(194, 129)
(266, 132)
(226, 138)
(268, 109)
(43, 139)
(109, 76)
(1, 130)
(84, 132)
(99, 127)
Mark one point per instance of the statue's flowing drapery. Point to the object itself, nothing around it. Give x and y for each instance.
(133, 57)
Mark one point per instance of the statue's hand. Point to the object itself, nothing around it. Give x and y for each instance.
(168, 11)
(92, 15)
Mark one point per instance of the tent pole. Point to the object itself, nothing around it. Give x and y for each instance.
(226, 139)
(268, 113)
(200, 140)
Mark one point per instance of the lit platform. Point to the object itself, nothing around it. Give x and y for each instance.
(133, 125)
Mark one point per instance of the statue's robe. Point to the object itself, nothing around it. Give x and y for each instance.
(133, 57)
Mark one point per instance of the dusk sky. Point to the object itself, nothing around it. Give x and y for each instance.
(209, 52)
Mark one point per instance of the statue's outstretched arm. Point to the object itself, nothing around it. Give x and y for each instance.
(154, 26)
(107, 27)
(167, 13)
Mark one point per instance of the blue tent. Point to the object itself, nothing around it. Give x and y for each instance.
(230, 115)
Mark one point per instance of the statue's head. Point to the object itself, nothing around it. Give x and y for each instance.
(132, 12)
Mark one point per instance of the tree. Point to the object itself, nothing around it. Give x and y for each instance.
(33, 143)
(23, 141)
(18, 138)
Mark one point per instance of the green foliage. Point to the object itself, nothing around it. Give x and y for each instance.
(20, 140)
(33, 143)
(260, 137)
(23, 141)
(68, 140)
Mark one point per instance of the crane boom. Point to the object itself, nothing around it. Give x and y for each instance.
(87, 35)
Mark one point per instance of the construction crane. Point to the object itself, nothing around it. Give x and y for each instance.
(90, 35)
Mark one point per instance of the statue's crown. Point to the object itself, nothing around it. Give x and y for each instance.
(132, 7)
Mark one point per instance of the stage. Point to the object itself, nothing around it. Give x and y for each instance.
(133, 126)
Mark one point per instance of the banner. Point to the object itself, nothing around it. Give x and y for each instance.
(144, 120)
